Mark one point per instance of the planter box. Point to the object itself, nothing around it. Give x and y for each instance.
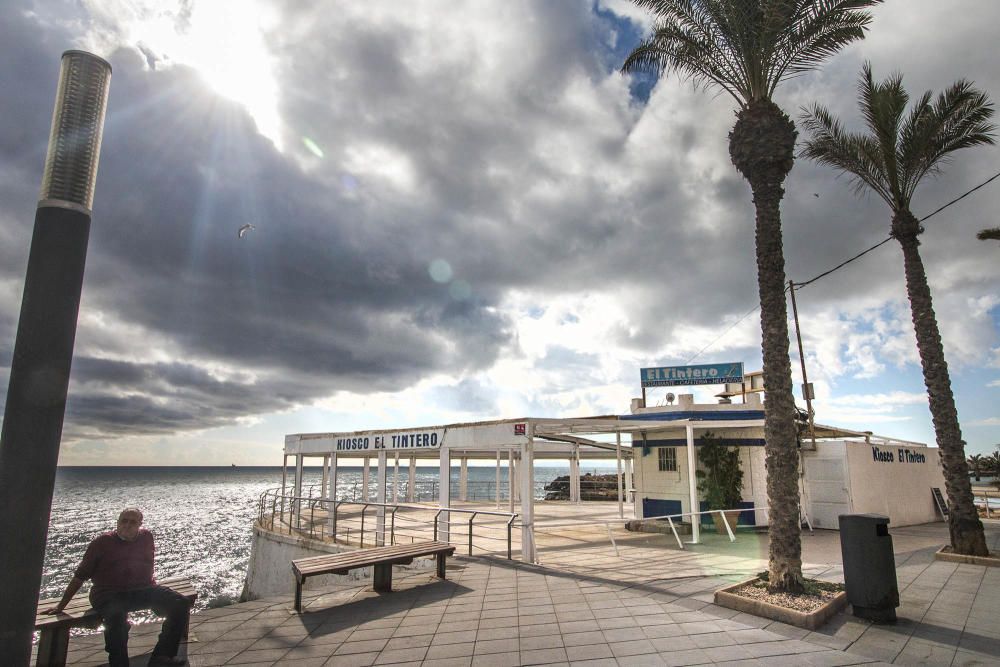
(724, 597)
(946, 554)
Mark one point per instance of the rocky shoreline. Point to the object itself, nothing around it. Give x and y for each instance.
(592, 487)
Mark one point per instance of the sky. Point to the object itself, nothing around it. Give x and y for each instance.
(463, 211)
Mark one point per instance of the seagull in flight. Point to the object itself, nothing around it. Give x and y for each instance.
(245, 229)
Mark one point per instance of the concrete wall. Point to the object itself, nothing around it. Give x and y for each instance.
(270, 570)
(900, 488)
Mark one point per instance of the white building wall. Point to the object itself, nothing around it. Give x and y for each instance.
(899, 489)
(656, 484)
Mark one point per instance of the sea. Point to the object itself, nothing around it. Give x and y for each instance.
(202, 517)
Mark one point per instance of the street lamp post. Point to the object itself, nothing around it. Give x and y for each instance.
(43, 349)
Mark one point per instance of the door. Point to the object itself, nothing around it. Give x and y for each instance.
(826, 488)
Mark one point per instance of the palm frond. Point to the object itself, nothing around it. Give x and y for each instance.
(854, 154)
(989, 234)
(959, 118)
(896, 153)
(747, 47)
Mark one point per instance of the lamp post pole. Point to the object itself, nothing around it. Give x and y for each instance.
(43, 348)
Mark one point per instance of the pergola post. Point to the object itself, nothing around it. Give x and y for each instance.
(365, 475)
(574, 475)
(412, 480)
(463, 479)
(528, 498)
(322, 484)
(498, 480)
(380, 498)
(331, 495)
(395, 480)
(444, 494)
(618, 461)
(284, 483)
(297, 504)
(630, 483)
(510, 480)
(692, 486)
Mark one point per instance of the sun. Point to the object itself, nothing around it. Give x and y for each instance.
(224, 40)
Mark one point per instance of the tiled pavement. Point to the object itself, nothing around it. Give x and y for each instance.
(640, 610)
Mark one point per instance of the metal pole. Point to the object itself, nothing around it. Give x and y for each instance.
(43, 347)
(802, 360)
(498, 479)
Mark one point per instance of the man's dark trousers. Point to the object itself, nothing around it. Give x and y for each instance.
(114, 608)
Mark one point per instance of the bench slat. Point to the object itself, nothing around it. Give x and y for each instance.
(366, 557)
(382, 558)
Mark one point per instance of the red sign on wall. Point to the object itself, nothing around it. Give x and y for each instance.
(520, 429)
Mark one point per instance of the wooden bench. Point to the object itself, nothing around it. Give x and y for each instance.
(54, 641)
(381, 558)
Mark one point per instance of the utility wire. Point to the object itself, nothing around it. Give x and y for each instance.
(843, 264)
(730, 328)
(886, 240)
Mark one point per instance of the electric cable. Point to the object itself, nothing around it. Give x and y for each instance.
(844, 263)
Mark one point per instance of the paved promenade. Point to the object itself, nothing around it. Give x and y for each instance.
(650, 605)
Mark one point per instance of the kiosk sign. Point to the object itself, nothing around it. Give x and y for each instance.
(682, 376)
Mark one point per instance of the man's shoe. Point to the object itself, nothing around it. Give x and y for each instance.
(167, 660)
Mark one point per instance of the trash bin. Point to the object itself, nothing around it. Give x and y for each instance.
(869, 566)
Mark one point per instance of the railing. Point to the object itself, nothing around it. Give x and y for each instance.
(426, 490)
(344, 521)
(986, 496)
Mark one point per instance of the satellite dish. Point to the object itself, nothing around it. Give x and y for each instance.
(670, 398)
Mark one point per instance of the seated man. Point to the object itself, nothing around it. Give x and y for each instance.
(121, 566)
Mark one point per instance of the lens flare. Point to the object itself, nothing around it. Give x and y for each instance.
(312, 147)
(440, 271)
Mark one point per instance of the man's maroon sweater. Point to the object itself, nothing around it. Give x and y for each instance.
(116, 565)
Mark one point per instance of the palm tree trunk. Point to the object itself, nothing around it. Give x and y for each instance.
(761, 146)
(964, 525)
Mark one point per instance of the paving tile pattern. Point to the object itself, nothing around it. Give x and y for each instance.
(587, 607)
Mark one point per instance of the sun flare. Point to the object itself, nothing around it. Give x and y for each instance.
(224, 40)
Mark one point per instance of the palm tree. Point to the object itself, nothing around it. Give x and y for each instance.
(891, 160)
(976, 463)
(746, 48)
(995, 460)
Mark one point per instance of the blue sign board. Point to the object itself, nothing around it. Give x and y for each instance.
(682, 376)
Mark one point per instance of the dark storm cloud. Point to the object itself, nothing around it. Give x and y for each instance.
(323, 296)
(497, 137)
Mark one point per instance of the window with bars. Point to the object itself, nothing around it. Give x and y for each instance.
(668, 459)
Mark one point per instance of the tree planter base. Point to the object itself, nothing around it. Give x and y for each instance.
(946, 554)
(724, 597)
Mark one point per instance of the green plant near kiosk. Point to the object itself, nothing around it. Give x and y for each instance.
(721, 482)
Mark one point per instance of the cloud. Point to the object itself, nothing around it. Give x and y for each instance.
(588, 229)
(989, 421)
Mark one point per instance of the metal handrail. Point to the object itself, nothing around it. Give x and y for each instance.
(333, 517)
(510, 521)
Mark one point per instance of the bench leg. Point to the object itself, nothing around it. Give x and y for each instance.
(298, 595)
(442, 559)
(383, 577)
(53, 645)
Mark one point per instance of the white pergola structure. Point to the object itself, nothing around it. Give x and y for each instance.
(518, 441)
